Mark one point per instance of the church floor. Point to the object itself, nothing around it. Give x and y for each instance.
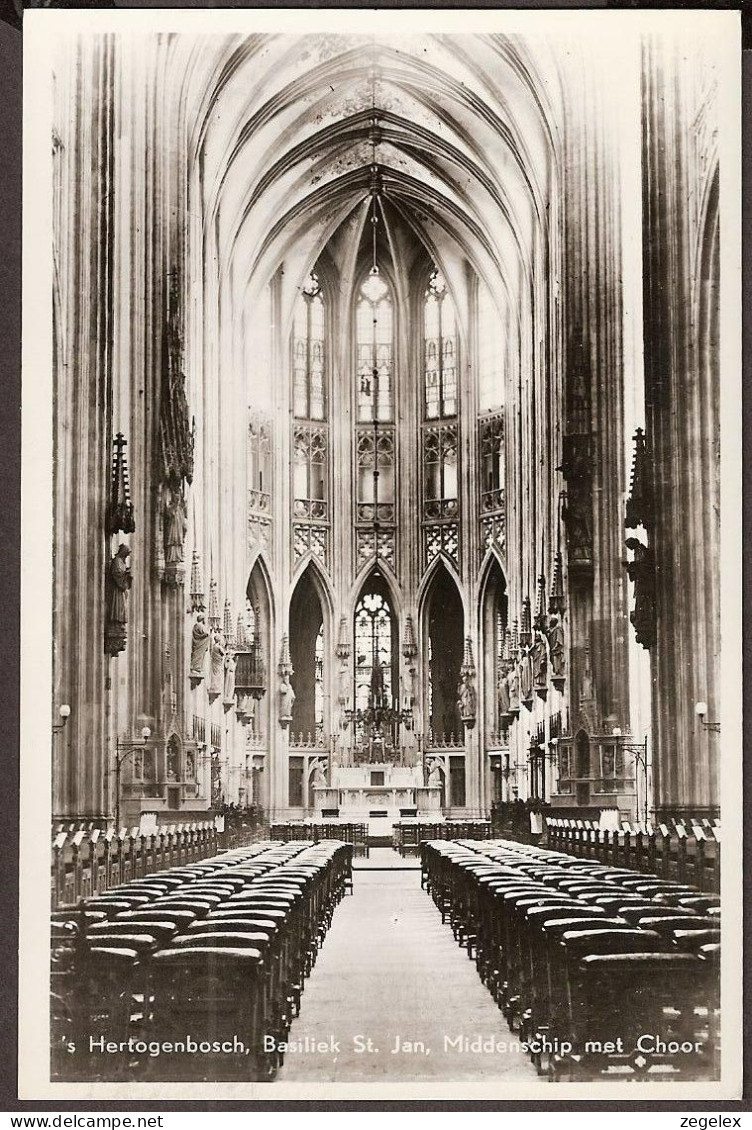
(389, 976)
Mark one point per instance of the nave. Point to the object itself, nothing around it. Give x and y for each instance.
(392, 974)
(225, 969)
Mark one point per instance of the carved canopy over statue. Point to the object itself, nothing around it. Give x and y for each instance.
(119, 580)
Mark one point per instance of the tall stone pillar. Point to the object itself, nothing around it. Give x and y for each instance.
(681, 293)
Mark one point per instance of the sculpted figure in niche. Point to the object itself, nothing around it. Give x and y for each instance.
(318, 778)
(286, 698)
(199, 646)
(556, 647)
(217, 663)
(119, 581)
(175, 528)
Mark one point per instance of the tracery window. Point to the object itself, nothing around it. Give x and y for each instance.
(308, 353)
(259, 465)
(374, 645)
(439, 350)
(492, 463)
(310, 472)
(375, 333)
(440, 472)
(490, 355)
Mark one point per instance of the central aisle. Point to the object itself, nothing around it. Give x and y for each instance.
(390, 975)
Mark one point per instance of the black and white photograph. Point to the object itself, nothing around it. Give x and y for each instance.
(381, 598)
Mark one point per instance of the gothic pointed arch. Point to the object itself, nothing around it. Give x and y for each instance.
(309, 621)
(443, 646)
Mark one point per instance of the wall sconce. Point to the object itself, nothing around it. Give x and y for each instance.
(701, 709)
(64, 716)
(123, 750)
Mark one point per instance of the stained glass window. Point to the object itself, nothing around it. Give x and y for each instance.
(308, 353)
(439, 350)
(490, 359)
(374, 334)
(374, 628)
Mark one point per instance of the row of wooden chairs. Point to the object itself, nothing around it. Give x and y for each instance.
(196, 972)
(602, 972)
(407, 835)
(355, 834)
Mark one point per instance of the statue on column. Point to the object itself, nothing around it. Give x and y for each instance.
(286, 699)
(119, 581)
(502, 694)
(175, 529)
(216, 664)
(199, 647)
(513, 683)
(228, 698)
(343, 692)
(556, 649)
(539, 663)
(641, 570)
(526, 679)
(466, 699)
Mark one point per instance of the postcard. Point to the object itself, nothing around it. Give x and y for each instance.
(381, 680)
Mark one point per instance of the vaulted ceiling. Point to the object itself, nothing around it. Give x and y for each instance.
(289, 136)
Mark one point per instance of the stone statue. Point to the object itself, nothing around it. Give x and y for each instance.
(526, 677)
(466, 698)
(513, 683)
(286, 698)
(556, 647)
(119, 581)
(502, 694)
(229, 687)
(434, 773)
(642, 572)
(539, 661)
(343, 693)
(175, 529)
(199, 646)
(216, 663)
(318, 778)
(190, 765)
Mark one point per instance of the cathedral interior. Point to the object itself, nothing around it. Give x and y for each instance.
(387, 398)
(363, 349)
